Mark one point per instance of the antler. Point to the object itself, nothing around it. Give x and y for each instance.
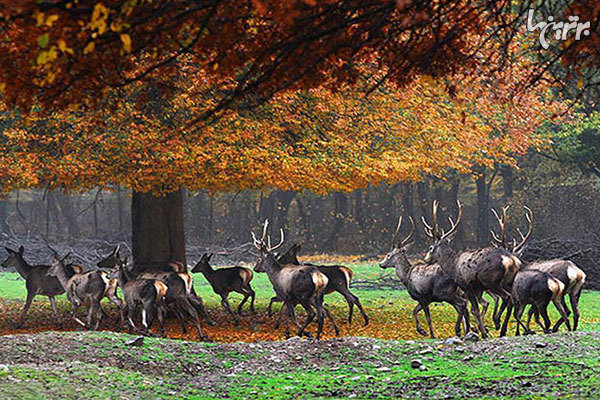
(406, 239)
(502, 221)
(524, 238)
(432, 230)
(453, 225)
(261, 245)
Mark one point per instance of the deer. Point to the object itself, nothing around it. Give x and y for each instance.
(425, 283)
(537, 288)
(487, 269)
(36, 281)
(293, 284)
(566, 271)
(86, 288)
(339, 277)
(226, 280)
(149, 294)
(159, 270)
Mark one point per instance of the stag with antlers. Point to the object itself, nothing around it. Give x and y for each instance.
(487, 269)
(425, 283)
(293, 284)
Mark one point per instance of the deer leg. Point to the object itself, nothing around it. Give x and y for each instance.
(416, 317)
(278, 322)
(330, 317)
(542, 308)
(188, 308)
(198, 305)
(352, 299)
(310, 315)
(460, 305)
(227, 307)
(518, 312)
(112, 296)
(249, 289)
(560, 306)
(561, 319)
(75, 305)
(160, 307)
(574, 300)
(30, 297)
(319, 306)
(273, 300)
(428, 317)
(53, 304)
(246, 296)
(484, 306)
(475, 308)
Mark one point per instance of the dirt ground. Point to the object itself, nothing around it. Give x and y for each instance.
(101, 365)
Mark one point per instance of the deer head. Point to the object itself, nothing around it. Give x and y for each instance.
(398, 249)
(58, 264)
(111, 260)
(441, 238)
(203, 265)
(265, 247)
(13, 257)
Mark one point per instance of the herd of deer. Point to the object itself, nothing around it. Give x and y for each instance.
(150, 291)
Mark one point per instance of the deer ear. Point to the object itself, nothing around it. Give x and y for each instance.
(21, 250)
(209, 256)
(408, 246)
(9, 251)
(116, 249)
(66, 256)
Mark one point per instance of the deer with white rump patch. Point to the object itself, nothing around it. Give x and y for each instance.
(488, 269)
(86, 288)
(425, 283)
(149, 294)
(339, 277)
(293, 284)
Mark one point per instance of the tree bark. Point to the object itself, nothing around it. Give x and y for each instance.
(408, 206)
(507, 182)
(157, 228)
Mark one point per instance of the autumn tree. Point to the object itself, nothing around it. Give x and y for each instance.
(169, 94)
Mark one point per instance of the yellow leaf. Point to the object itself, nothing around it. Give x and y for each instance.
(215, 66)
(39, 17)
(126, 39)
(2, 87)
(62, 45)
(89, 48)
(41, 58)
(51, 19)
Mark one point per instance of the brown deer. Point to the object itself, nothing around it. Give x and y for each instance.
(339, 277)
(538, 289)
(425, 283)
(490, 268)
(566, 271)
(294, 284)
(37, 281)
(148, 270)
(87, 288)
(226, 280)
(149, 294)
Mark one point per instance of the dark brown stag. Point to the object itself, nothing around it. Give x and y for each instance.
(487, 269)
(304, 285)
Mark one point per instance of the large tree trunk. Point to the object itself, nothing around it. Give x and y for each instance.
(507, 182)
(157, 228)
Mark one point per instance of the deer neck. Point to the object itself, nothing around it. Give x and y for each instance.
(63, 276)
(22, 267)
(403, 268)
(272, 268)
(122, 277)
(447, 261)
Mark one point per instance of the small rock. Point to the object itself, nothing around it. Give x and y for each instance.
(427, 350)
(471, 337)
(376, 347)
(468, 357)
(541, 345)
(136, 341)
(453, 340)
(526, 384)
(460, 349)
(355, 378)
(416, 364)
(298, 358)
(384, 369)
(410, 342)
(422, 368)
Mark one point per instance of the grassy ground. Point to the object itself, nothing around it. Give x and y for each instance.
(101, 366)
(390, 311)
